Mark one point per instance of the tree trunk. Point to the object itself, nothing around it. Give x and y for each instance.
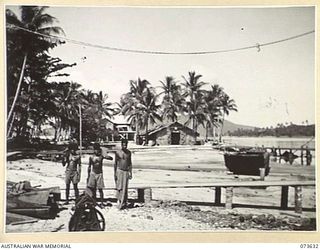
(207, 128)
(137, 131)
(11, 125)
(220, 137)
(195, 131)
(146, 138)
(18, 87)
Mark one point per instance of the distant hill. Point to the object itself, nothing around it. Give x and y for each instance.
(228, 127)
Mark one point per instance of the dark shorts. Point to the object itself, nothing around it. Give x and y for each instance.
(72, 177)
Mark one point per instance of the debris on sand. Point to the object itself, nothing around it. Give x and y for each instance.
(234, 220)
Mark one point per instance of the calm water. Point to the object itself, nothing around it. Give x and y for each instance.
(270, 141)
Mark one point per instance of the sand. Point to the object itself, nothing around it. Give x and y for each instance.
(173, 165)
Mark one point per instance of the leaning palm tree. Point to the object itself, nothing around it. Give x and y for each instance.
(194, 92)
(227, 105)
(34, 19)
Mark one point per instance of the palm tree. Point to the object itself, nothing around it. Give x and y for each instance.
(130, 101)
(68, 98)
(149, 110)
(227, 105)
(213, 102)
(193, 105)
(103, 107)
(35, 19)
(173, 100)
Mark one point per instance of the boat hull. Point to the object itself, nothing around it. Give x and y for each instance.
(247, 163)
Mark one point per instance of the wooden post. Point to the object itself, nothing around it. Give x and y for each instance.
(308, 156)
(301, 155)
(279, 154)
(279, 151)
(140, 194)
(217, 196)
(229, 196)
(147, 195)
(298, 199)
(284, 197)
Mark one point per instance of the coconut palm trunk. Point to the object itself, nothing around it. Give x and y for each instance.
(207, 130)
(18, 87)
(220, 136)
(11, 124)
(146, 137)
(137, 131)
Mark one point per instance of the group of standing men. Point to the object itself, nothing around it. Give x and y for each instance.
(122, 172)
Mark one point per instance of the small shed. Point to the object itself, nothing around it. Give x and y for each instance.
(172, 134)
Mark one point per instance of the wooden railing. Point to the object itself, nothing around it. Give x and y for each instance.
(145, 191)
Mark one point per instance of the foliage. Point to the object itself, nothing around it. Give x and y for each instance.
(202, 107)
(41, 101)
(281, 130)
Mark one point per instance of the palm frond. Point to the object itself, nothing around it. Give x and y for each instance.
(12, 18)
(52, 30)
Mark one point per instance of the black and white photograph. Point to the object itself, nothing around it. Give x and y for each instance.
(160, 119)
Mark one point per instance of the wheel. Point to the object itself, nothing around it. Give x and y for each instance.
(89, 219)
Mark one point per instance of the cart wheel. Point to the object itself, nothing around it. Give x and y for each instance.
(87, 220)
(100, 220)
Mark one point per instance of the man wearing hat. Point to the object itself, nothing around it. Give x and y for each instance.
(73, 170)
(122, 173)
(95, 172)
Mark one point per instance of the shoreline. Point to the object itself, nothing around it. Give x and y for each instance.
(173, 166)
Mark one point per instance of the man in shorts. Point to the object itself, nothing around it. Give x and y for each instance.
(73, 170)
(95, 172)
(122, 173)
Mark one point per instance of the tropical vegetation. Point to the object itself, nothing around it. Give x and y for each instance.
(33, 100)
(176, 99)
(288, 130)
(36, 98)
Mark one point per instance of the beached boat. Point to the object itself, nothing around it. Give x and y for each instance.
(35, 202)
(247, 162)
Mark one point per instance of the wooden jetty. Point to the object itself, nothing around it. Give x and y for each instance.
(289, 153)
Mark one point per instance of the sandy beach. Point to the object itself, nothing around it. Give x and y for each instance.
(178, 209)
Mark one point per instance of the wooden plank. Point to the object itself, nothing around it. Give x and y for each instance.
(257, 183)
(12, 218)
(225, 184)
(288, 148)
(284, 197)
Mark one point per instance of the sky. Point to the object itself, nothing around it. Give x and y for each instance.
(270, 86)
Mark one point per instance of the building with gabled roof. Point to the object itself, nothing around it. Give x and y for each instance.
(172, 134)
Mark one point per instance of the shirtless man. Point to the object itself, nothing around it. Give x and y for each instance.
(73, 170)
(95, 172)
(122, 173)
